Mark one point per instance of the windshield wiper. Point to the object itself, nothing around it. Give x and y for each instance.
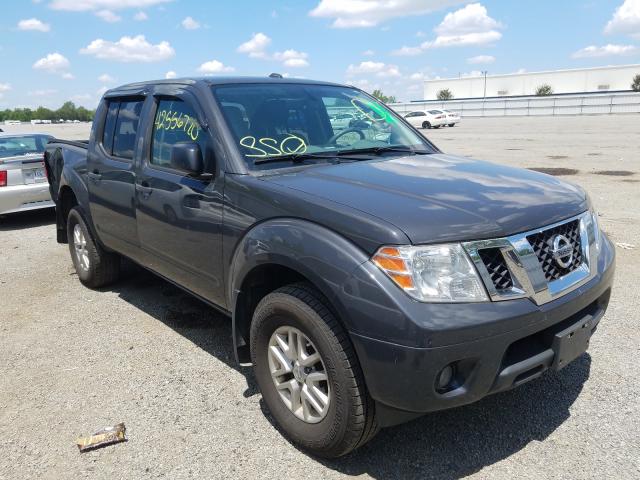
(295, 157)
(379, 150)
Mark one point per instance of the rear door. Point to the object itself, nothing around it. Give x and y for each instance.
(180, 217)
(111, 175)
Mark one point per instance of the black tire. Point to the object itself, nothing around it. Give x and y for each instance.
(104, 267)
(426, 125)
(350, 419)
(452, 124)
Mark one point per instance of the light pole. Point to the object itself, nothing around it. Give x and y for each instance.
(484, 72)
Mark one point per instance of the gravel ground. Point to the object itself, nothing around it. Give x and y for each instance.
(73, 360)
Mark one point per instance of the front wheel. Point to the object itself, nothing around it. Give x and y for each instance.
(452, 124)
(309, 374)
(426, 125)
(95, 266)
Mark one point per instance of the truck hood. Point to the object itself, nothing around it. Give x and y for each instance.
(441, 198)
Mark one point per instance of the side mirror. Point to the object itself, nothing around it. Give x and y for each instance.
(187, 156)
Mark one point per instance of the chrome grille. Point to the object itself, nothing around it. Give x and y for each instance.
(496, 267)
(523, 265)
(542, 244)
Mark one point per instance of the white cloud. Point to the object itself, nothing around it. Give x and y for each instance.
(292, 58)
(140, 16)
(256, 46)
(101, 91)
(68, 76)
(368, 53)
(53, 63)
(408, 51)
(609, 50)
(190, 24)
(170, 74)
(468, 26)
(471, 19)
(106, 78)
(42, 93)
(369, 13)
(33, 24)
(481, 59)
(214, 66)
(626, 19)
(129, 49)
(108, 16)
(88, 5)
(379, 69)
(5, 87)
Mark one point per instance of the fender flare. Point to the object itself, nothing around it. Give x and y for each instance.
(319, 254)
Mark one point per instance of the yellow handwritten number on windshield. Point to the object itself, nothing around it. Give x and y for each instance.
(269, 147)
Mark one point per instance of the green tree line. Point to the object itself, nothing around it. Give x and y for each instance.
(68, 111)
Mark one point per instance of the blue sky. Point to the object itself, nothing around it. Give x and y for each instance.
(56, 50)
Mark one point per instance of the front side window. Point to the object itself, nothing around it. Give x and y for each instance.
(175, 122)
(270, 121)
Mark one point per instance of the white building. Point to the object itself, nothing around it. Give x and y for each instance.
(598, 79)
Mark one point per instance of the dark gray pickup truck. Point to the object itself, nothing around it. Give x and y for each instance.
(369, 277)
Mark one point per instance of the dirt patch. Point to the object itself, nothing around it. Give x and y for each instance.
(557, 157)
(630, 180)
(555, 170)
(513, 149)
(593, 154)
(615, 173)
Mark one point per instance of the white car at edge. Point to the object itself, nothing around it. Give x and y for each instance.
(426, 118)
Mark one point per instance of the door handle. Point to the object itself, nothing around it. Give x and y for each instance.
(94, 176)
(144, 190)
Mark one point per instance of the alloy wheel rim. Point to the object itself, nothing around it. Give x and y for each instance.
(80, 246)
(299, 374)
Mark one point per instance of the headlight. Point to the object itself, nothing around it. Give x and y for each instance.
(432, 273)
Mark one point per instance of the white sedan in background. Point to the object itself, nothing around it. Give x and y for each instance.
(452, 117)
(23, 181)
(426, 118)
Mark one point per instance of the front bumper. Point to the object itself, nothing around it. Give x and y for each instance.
(20, 198)
(493, 346)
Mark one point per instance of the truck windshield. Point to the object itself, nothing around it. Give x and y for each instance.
(275, 123)
(16, 145)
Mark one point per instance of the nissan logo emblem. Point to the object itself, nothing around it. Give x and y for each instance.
(562, 251)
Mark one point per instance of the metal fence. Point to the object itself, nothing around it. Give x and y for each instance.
(594, 104)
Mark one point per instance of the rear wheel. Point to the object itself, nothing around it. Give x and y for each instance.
(95, 266)
(426, 125)
(452, 124)
(308, 373)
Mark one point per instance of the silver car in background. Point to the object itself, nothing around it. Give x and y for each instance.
(23, 180)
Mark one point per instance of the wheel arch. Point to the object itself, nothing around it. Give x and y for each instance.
(283, 251)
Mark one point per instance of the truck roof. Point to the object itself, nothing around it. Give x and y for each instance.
(213, 80)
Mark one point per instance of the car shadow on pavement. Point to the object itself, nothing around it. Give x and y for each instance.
(29, 219)
(198, 322)
(447, 445)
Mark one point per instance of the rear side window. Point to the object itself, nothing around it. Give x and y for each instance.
(124, 138)
(109, 126)
(121, 127)
(175, 122)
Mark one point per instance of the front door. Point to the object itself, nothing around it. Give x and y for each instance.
(180, 216)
